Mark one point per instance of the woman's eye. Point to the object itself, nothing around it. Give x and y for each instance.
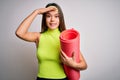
(47, 16)
(57, 16)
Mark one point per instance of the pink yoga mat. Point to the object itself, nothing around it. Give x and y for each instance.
(70, 42)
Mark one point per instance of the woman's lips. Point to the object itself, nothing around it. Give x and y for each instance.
(53, 24)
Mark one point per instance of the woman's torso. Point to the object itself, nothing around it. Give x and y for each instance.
(48, 50)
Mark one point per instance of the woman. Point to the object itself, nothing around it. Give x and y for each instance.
(50, 57)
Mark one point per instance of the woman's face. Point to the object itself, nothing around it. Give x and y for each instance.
(52, 19)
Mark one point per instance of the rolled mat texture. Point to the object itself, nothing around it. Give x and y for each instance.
(70, 42)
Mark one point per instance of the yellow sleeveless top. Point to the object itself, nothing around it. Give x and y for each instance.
(49, 64)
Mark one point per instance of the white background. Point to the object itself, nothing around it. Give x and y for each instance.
(98, 22)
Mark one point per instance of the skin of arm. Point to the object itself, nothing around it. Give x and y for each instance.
(22, 30)
(70, 61)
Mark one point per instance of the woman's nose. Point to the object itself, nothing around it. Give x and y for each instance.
(52, 18)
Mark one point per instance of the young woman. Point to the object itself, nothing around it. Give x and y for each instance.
(50, 57)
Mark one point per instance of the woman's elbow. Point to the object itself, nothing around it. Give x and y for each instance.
(18, 34)
(84, 67)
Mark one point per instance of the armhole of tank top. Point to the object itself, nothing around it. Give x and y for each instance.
(39, 37)
(38, 40)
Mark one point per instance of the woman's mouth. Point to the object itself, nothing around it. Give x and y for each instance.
(53, 24)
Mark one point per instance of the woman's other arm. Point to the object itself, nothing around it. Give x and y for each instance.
(70, 61)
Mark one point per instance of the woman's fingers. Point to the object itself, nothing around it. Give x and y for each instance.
(70, 61)
(63, 54)
(44, 10)
(63, 57)
(52, 8)
(73, 55)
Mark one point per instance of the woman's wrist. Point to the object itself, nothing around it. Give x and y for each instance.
(36, 12)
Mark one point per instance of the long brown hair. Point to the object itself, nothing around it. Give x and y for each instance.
(61, 18)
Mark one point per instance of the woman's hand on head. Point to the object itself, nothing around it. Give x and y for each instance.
(44, 10)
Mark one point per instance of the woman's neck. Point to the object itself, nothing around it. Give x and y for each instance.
(53, 30)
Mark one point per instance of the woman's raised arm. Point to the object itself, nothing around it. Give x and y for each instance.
(22, 30)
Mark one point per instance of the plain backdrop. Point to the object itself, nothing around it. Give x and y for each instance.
(98, 22)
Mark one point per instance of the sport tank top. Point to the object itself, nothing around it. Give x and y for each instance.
(49, 64)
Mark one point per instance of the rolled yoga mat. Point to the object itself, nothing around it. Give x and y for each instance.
(70, 42)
